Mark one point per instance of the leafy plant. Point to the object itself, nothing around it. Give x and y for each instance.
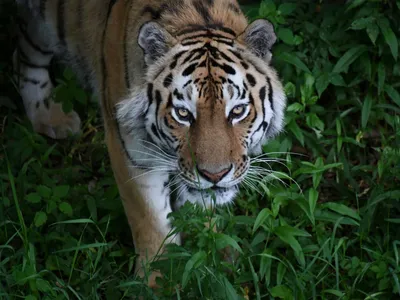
(322, 225)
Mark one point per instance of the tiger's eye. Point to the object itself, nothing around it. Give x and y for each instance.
(183, 112)
(238, 110)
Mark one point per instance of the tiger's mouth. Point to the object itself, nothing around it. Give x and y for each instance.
(214, 188)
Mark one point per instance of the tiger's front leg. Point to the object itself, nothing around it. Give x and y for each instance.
(146, 199)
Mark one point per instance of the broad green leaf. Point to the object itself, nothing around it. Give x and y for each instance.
(295, 107)
(342, 209)
(295, 129)
(286, 35)
(40, 218)
(43, 285)
(287, 8)
(193, 263)
(61, 191)
(66, 208)
(33, 198)
(393, 94)
(67, 106)
(348, 58)
(389, 36)
(261, 218)
(381, 77)
(354, 3)
(373, 32)
(362, 23)
(282, 292)
(322, 83)
(366, 110)
(223, 240)
(294, 60)
(44, 191)
(337, 80)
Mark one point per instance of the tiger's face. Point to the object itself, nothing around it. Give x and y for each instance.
(210, 101)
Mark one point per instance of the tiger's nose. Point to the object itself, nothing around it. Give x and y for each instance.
(214, 177)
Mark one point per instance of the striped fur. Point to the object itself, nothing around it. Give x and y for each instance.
(186, 90)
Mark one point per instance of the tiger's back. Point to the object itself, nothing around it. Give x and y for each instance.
(176, 80)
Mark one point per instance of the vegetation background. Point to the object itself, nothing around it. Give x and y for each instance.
(323, 225)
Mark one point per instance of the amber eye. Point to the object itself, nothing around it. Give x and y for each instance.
(237, 112)
(183, 114)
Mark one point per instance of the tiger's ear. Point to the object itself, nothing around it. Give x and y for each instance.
(154, 40)
(259, 37)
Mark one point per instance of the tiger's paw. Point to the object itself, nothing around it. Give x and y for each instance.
(51, 120)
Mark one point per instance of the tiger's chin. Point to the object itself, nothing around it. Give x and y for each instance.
(205, 197)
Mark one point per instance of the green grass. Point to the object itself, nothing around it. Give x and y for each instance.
(328, 228)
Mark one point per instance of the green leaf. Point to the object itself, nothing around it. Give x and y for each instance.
(261, 218)
(295, 129)
(373, 32)
(40, 218)
(43, 285)
(282, 292)
(230, 292)
(223, 240)
(322, 83)
(80, 96)
(287, 8)
(393, 94)
(197, 260)
(61, 191)
(354, 4)
(295, 107)
(67, 106)
(44, 191)
(366, 111)
(348, 58)
(381, 77)
(30, 297)
(389, 36)
(342, 209)
(66, 208)
(33, 198)
(294, 60)
(312, 199)
(286, 35)
(362, 23)
(337, 80)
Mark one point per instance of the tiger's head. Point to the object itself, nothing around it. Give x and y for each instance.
(211, 99)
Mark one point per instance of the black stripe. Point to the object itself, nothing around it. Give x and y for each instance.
(126, 46)
(270, 94)
(32, 44)
(195, 28)
(61, 20)
(104, 81)
(32, 65)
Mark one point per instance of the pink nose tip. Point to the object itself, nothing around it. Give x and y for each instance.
(213, 177)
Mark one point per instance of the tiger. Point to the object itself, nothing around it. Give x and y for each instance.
(186, 89)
